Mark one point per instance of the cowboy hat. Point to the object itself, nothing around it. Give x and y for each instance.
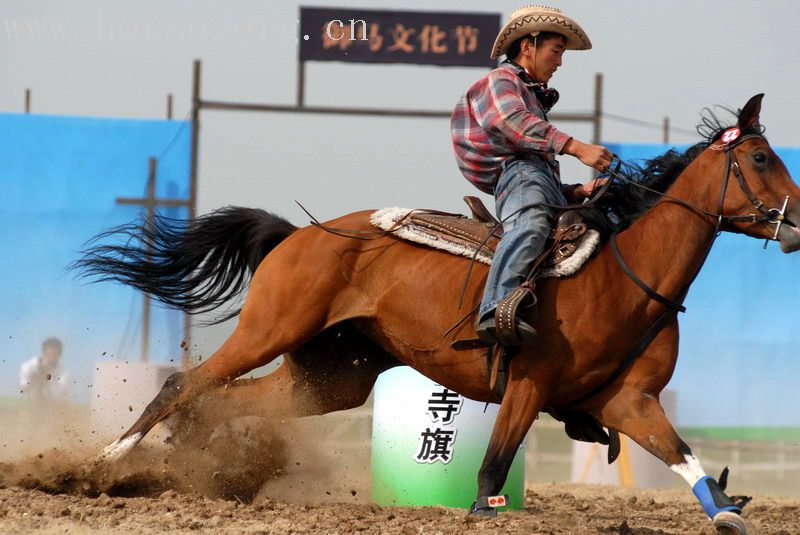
(534, 19)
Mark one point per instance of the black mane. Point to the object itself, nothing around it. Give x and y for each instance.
(625, 202)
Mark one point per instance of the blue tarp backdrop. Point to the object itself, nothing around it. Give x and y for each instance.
(739, 362)
(60, 178)
(59, 181)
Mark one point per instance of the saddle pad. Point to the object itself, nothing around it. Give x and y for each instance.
(400, 224)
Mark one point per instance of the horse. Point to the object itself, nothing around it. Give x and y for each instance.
(342, 310)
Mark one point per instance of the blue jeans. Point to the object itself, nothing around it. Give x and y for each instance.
(521, 183)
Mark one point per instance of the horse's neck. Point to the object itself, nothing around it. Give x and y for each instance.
(667, 246)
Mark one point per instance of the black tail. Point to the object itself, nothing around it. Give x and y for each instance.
(195, 266)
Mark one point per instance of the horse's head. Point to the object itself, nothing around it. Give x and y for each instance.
(760, 197)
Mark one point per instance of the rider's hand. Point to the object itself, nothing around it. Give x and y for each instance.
(585, 191)
(596, 156)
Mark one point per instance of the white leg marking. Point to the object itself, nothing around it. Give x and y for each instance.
(119, 448)
(690, 471)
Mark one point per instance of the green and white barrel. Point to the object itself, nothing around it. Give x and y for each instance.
(428, 443)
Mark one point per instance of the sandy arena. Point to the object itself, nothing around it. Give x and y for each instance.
(295, 487)
(551, 509)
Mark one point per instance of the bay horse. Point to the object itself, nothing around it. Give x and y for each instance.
(343, 310)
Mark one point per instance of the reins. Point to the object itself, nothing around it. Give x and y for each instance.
(718, 219)
(355, 234)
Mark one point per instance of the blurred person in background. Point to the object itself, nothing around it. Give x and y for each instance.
(42, 379)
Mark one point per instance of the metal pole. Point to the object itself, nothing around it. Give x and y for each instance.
(666, 131)
(196, 104)
(151, 212)
(374, 112)
(27, 100)
(597, 116)
(301, 83)
(598, 108)
(169, 106)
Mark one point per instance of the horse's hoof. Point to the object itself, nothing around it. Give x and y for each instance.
(729, 523)
(483, 512)
(485, 506)
(119, 448)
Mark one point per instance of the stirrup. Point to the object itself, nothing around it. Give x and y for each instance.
(488, 336)
(511, 330)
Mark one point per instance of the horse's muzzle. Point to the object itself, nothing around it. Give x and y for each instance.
(789, 235)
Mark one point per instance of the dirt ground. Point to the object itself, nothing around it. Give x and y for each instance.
(152, 492)
(271, 484)
(551, 509)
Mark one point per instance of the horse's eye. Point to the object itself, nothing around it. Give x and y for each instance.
(760, 157)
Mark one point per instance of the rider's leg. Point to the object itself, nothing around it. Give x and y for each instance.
(523, 186)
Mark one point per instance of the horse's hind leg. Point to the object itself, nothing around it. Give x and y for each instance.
(325, 375)
(635, 411)
(271, 324)
(335, 371)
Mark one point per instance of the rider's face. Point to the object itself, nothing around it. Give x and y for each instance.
(546, 58)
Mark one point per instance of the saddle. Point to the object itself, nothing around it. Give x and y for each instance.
(478, 236)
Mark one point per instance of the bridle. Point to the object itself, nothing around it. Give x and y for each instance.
(775, 216)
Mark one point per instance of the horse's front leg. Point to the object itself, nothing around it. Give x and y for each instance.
(635, 410)
(641, 417)
(521, 404)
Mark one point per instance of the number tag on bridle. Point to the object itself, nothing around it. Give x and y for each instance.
(730, 135)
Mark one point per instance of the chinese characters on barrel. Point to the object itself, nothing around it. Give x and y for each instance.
(400, 38)
(444, 405)
(437, 445)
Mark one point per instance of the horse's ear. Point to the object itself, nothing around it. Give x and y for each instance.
(748, 117)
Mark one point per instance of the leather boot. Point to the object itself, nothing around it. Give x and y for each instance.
(487, 331)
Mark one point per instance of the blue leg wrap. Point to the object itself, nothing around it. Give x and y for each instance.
(712, 497)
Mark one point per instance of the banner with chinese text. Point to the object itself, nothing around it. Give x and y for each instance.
(421, 37)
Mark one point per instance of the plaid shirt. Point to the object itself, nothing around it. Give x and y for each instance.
(499, 117)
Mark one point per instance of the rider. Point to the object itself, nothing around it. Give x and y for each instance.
(505, 146)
